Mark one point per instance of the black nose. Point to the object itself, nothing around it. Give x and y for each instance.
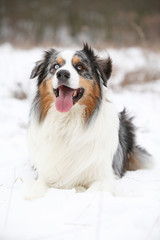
(63, 75)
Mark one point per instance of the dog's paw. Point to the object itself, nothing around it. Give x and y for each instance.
(36, 190)
(103, 186)
(80, 189)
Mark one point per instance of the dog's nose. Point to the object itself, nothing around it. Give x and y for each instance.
(63, 75)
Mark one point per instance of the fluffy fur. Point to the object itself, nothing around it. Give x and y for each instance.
(84, 143)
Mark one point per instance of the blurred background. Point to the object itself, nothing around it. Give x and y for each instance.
(127, 30)
(64, 22)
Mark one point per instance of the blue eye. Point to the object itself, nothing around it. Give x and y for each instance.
(79, 67)
(56, 66)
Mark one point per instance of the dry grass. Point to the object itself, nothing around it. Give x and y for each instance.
(140, 76)
(19, 93)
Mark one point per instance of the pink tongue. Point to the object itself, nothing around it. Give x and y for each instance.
(64, 101)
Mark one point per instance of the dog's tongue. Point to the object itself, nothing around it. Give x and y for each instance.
(64, 101)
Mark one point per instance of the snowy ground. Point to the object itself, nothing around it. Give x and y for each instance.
(133, 214)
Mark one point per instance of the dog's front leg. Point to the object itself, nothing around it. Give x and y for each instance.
(37, 189)
(105, 181)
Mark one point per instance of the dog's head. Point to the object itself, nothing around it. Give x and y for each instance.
(69, 77)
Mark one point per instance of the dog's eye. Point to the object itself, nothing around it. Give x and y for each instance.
(56, 66)
(79, 67)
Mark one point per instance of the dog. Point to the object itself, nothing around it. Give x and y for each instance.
(76, 137)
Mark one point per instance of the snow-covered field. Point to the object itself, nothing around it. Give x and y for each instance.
(63, 214)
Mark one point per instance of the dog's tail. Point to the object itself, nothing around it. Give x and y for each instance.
(129, 156)
(139, 159)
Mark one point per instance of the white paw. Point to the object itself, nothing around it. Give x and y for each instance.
(36, 190)
(102, 186)
(80, 189)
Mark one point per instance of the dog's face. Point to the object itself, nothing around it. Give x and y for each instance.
(68, 77)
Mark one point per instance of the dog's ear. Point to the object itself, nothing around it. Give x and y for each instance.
(89, 52)
(37, 69)
(105, 69)
(104, 66)
(42, 67)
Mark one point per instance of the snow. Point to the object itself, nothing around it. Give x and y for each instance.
(134, 213)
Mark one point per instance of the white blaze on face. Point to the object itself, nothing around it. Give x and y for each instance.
(67, 55)
(64, 100)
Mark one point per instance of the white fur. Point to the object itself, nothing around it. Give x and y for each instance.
(67, 55)
(68, 154)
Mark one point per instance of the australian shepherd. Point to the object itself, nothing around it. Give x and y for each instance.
(76, 137)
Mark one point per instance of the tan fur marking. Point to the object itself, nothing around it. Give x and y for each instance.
(60, 60)
(90, 97)
(47, 96)
(76, 60)
(132, 163)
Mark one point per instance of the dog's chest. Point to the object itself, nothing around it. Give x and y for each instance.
(66, 153)
(59, 148)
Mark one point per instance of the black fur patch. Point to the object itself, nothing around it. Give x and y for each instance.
(105, 66)
(35, 108)
(126, 143)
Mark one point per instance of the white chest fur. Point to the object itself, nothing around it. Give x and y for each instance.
(67, 153)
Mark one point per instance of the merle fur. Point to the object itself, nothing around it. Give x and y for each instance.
(43, 67)
(101, 68)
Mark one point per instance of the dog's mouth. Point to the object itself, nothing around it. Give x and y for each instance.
(66, 97)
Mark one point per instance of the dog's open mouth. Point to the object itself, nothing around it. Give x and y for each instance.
(66, 97)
